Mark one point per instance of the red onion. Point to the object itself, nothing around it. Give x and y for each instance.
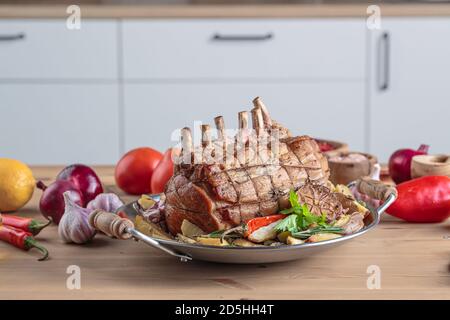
(400, 163)
(84, 178)
(52, 199)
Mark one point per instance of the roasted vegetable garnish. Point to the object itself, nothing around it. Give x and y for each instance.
(300, 218)
(323, 237)
(146, 202)
(188, 229)
(151, 229)
(292, 241)
(212, 241)
(245, 243)
(316, 230)
(265, 233)
(185, 239)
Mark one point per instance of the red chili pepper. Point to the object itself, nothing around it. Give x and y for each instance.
(425, 199)
(21, 239)
(256, 223)
(25, 224)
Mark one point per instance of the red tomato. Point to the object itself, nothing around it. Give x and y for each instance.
(163, 172)
(134, 171)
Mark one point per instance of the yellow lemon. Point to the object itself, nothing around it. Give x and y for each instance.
(16, 184)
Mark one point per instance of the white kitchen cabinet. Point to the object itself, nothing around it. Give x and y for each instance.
(59, 123)
(154, 112)
(47, 49)
(409, 85)
(244, 49)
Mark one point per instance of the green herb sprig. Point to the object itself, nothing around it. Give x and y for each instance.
(300, 218)
(315, 230)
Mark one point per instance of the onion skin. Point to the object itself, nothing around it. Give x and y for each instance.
(52, 202)
(84, 178)
(400, 163)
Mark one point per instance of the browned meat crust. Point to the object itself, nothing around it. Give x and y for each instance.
(221, 196)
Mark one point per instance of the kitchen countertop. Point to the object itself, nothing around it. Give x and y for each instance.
(413, 259)
(290, 10)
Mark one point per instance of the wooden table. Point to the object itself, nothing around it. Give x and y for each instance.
(21, 10)
(413, 260)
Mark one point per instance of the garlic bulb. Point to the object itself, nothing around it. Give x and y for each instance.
(108, 202)
(74, 225)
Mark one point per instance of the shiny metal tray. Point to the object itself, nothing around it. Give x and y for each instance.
(249, 255)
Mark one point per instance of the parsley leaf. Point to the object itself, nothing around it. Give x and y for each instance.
(287, 224)
(300, 218)
(293, 199)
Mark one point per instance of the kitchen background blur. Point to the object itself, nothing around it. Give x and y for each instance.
(137, 70)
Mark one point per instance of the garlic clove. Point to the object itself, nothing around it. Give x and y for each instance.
(108, 202)
(74, 225)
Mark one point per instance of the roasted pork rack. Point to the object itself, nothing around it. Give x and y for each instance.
(229, 180)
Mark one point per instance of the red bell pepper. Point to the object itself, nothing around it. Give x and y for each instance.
(426, 199)
(256, 223)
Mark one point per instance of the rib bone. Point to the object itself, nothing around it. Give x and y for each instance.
(206, 135)
(243, 120)
(257, 121)
(187, 145)
(220, 126)
(257, 102)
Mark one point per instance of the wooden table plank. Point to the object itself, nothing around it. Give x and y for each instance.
(414, 260)
(219, 11)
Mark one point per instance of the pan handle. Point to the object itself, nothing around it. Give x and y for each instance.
(120, 228)
(155, 244)
(377, 190)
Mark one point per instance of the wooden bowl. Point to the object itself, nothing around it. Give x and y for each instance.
(430, 165)
(339, 147)
(345, 172)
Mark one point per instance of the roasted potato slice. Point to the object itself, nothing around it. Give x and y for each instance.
(291, 240)
(241, 242)
(188, 229)
(185, 239)
(151, 229)
(351, 205)
(212, 241)
(146, 202)
(343, 220)
(323, 236)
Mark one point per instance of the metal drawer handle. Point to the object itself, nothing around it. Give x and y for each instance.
(383, 62)
(12, 37)
(263, 37)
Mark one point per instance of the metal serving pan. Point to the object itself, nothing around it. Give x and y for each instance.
(248, 255)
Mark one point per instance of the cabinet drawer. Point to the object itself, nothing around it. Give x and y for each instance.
(413, 108)
(313, 48)
(60, 124)
(153, 113)
(46, 49)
